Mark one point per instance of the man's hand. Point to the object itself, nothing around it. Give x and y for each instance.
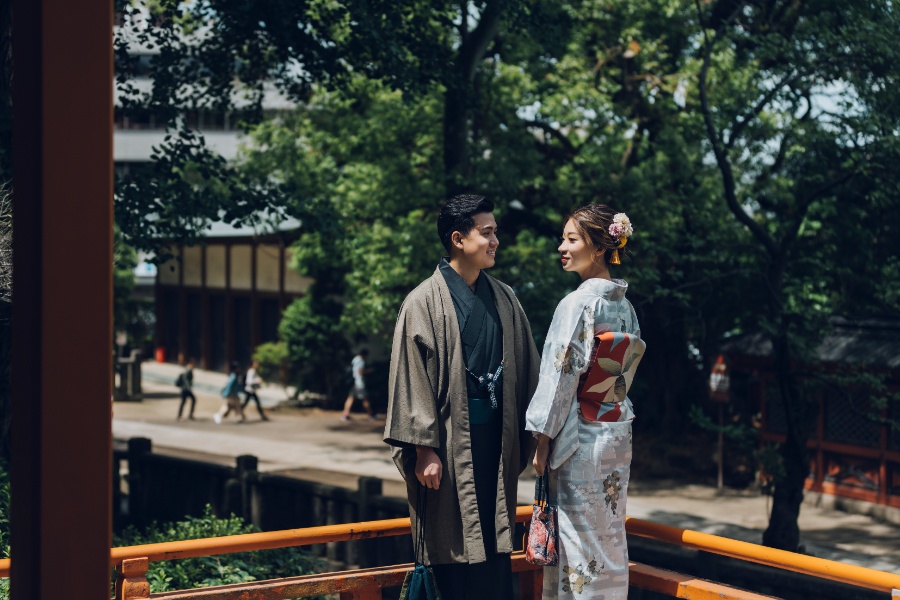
(428, 467)
(541, 454)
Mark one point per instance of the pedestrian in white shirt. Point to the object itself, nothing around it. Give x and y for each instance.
(252, 382)
(358, 391)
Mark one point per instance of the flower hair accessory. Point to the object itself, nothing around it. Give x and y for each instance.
(621, 230)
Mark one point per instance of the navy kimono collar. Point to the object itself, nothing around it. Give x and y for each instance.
(479, 325)
(610, 289)
(460, 291)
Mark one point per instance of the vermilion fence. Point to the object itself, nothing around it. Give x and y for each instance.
(132, 562)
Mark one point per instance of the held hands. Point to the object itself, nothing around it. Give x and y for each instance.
(428, 467)
(541, 454)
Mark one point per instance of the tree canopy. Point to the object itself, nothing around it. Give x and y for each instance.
(751, 142)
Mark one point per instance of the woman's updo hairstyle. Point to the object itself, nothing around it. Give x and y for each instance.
(597, 223)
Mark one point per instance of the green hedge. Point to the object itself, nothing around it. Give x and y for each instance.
(207, 571)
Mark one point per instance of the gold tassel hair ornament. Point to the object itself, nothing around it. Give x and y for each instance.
(621, 230)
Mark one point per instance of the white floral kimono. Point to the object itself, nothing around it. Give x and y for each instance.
(590, 461)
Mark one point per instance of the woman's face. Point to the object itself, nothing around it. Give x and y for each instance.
(577, 255)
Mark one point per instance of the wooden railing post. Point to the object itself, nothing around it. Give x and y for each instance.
(138, 485)
(369, 487)
(333, 551)
(131, 579)
(247, 475)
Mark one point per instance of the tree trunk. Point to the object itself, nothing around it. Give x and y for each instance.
(783, 531)
(456, 99)
(459, 92)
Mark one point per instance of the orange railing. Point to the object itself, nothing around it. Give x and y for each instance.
(781, 559)
(132, 562)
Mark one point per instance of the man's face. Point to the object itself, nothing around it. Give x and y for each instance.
(478, 248)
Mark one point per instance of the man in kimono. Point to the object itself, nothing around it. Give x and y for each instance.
(463, 369)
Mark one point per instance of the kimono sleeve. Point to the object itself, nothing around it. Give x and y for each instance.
(412, 417)
(564, 359)
(634, 327)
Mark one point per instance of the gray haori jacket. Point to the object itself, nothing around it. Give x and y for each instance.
(428, 406)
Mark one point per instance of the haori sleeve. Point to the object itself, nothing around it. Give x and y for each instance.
(564, 359)
(412, 418)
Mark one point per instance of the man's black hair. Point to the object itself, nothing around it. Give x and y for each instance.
(456, 215)
(363, 352)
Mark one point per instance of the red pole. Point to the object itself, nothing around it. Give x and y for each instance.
(62, 299)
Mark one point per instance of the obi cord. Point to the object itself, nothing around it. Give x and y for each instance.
(488, 382)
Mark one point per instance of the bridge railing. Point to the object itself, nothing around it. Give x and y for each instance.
(132, 563)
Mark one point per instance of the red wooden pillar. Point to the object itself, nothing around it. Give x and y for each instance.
(62, 305)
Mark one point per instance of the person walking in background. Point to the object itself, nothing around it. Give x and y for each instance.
(252, 382)
(463, 368)
(232, 402)
(581, 414)
(185, 381)
(358, 391)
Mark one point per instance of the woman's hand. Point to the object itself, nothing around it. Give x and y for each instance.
(541, 454)
(428, 467)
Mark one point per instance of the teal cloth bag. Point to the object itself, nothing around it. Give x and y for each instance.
(419, 583)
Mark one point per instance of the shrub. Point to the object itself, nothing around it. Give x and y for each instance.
(207, 571)
(274, 362)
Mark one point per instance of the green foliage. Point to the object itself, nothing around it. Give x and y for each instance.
(317, 347)
(274, 362)
(771, 467)
(753, 146)
(742, 434)
(207, 571)
(225, 56)
(795, 110)
(530, 266)
(369, 161)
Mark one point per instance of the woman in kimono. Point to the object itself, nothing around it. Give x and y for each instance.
(580, 412)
